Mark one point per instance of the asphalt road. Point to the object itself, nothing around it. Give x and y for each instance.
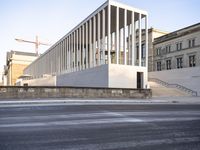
(93, 127)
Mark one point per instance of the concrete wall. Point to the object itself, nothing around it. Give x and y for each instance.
(70, 92)
(112, 76)
(121, 76)
(188, 77)
(47, 81)
(93, 77)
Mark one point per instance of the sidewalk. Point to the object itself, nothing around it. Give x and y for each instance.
(68, 101)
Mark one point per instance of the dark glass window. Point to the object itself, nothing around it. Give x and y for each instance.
(168, 64)
(179, 62)
(192, 62)
(159, 66)
(179, 46)
(168, 48)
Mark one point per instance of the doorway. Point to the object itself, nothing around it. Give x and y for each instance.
(139, 80)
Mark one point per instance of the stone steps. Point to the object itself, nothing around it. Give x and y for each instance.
(159, 90)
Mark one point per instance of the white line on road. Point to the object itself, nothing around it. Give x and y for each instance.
(91, 118)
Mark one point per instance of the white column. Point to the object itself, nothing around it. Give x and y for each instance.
(103, 36)
(117, 36)
(67, 59)
(140, 38)
(129, 48)
(79, 52)
(120, 40)
(94, 41)
(76, 50)
(124, 40)
(61, 56)
(146, 41)
(57, 59)
(83, 41)
(86, 44)
(74, 63)
(133, 38)
(68, 54)
(90, 43)
(99, 44)
(71, 52)
(63, 63)
(108, 26)
(70, 57)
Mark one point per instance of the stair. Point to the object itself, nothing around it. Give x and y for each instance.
(158, 90)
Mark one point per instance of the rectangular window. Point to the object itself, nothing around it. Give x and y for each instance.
(179, 46)
(158, 51)
(168, 64)
(143, 51)
(159, 66)
(137, 51)
(179, 62)
(192, 62)
(191, 43)
(168, 48)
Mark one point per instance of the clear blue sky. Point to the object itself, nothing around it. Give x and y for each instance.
(52, 19)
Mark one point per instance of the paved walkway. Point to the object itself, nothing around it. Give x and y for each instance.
(155, 100)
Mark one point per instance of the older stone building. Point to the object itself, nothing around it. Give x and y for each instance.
(1, 77)
(153, 33)
(16, 62)
(179, 49)
(176, 60)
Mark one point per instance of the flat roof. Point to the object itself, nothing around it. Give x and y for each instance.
(23, 53)
(178, 33)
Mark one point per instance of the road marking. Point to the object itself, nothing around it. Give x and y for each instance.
(73, 122)
(156, 115)
(106, 117)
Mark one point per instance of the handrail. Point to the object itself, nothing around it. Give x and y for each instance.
(183, 88)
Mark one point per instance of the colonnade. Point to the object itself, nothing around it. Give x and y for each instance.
(110, 35)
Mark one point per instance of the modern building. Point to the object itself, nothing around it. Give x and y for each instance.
(98, 52)
(179, 49)
(16, 61)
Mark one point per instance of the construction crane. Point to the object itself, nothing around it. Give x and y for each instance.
(36, 42)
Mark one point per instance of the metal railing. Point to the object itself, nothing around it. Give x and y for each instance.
(178, 86)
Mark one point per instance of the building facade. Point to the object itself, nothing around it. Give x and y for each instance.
(153, 33)
(179, 49)
(1, 78)
(98, 52)
(16, 62)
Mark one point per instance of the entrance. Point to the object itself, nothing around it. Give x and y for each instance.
(139, 80)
